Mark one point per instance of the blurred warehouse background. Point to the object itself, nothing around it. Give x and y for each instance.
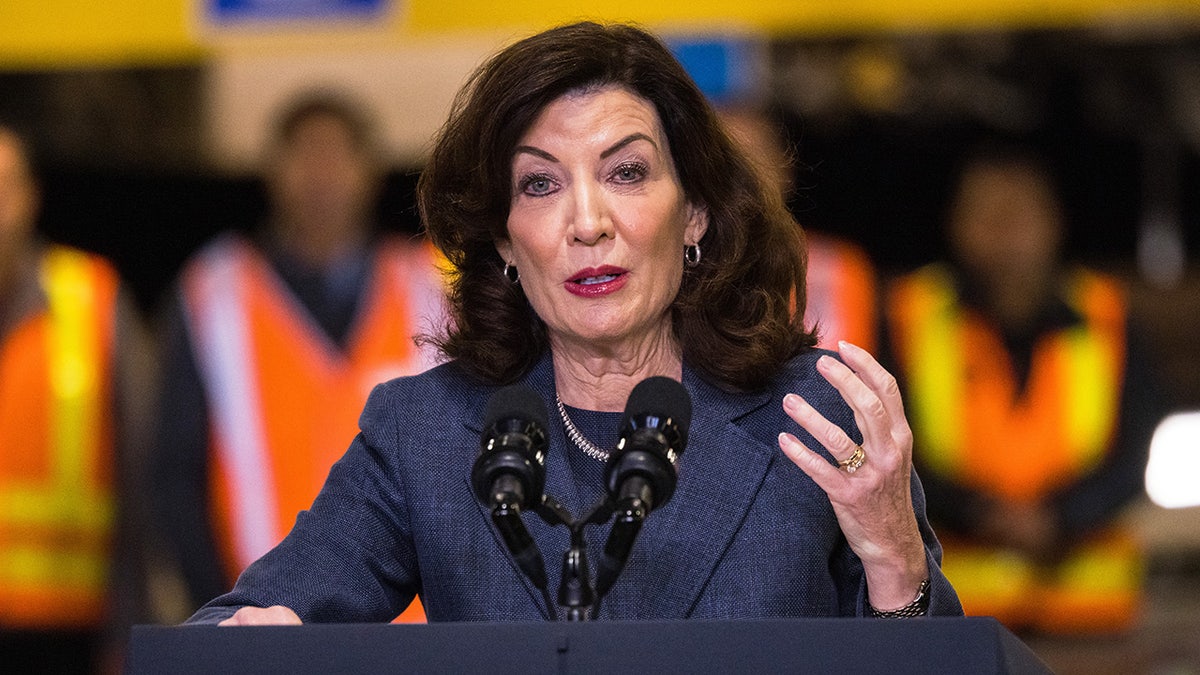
(148, 116)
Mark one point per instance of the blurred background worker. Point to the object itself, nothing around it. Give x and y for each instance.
(66, 363)
(275, 342)
(841, 279)
(1032, 407)
(840, 282)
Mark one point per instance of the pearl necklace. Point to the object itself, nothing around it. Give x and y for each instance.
(589, 448)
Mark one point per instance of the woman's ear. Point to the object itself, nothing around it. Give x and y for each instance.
(697, 224)
(504, 248)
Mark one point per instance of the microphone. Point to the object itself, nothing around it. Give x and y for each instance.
(511, 466)
(510, 472)
(642, 472)
(643, 466)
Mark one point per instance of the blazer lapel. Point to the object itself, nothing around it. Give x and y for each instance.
(720, 473)
(551, 541)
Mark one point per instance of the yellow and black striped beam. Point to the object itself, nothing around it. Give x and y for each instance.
(75, 33)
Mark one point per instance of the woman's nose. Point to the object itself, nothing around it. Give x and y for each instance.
(590, 218)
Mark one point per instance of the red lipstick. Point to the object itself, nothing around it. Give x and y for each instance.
(594, 282)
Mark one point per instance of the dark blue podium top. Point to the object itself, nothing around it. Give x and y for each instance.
(927, 645)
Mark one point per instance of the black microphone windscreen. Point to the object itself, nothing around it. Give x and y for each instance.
(517, 401)
(663, 397)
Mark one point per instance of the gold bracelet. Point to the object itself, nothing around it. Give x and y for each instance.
(918, 607)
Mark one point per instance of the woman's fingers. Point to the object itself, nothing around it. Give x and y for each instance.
(827, 433)
(870, 372)
(817, 467)
(870, 415)
(883, 384)
(850, 457)
(874, 398)
(873, 505)
(277, 615)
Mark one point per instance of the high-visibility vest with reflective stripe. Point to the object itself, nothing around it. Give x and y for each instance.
(970, 421)
(56, 449)
(840, 293)
(971, 425)
(283, 399)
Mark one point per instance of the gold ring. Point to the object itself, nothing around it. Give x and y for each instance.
(854, 461)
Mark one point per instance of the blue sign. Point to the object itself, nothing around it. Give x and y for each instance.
(236, 11)
(725, 69)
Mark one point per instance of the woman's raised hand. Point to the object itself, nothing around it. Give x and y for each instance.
(870, 489)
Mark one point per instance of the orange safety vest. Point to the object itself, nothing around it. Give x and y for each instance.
(973, 426)
(841, 293)
(284, 400)
(56, 449)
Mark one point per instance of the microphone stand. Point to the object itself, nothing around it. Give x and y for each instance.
(576, 592)
(640, 476)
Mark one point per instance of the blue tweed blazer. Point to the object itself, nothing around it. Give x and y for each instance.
(746, 535)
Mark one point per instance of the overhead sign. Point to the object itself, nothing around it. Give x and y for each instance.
(254, 11)
(728, 69)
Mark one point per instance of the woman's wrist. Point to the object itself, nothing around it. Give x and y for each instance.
(896, 587)
(918, 606)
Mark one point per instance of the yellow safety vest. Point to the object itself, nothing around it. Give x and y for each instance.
(973, 426)
(56, 449)
(970, 422)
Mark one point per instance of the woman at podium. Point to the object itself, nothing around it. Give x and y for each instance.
(602, 229)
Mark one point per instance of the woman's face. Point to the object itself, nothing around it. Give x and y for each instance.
(598, 219)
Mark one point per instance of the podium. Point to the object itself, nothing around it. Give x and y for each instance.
(927, 645)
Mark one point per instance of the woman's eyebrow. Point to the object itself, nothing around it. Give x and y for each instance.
(626, 141)
(537, 152)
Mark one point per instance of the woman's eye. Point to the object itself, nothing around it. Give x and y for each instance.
(629, 173)
(536, 185)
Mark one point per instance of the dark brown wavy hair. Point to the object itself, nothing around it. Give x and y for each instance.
(738, 314)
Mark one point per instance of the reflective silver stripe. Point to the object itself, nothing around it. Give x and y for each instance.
(218, 323)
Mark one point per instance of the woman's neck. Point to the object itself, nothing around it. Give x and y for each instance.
(600, 377)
